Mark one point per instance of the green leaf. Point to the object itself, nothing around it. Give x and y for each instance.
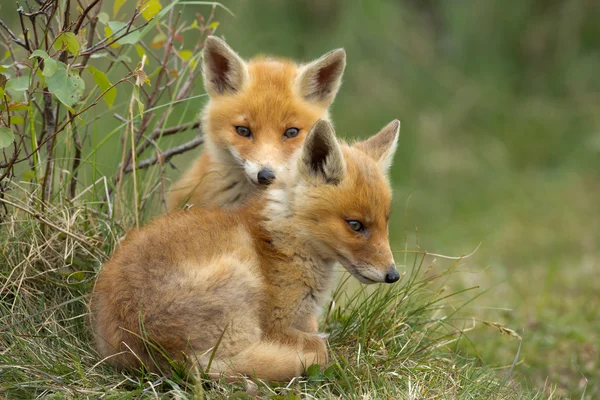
(68, 40)
(67, 86)
(6, 137)
(185, 54)
(49, 67)
(17, 86)
(103, 82)
(330, 372)
(18, 106)
(103, 17)
(313, 371)
(136, 96)
(158, 41)
(49, 63)
(213, 26)
(140, 50)
(149, 8)
(29, 175)
(118, 28)
(16, 119)
(39, 53)
(78, 276)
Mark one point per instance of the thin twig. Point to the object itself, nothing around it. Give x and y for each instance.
(14, 37)
(83, 15)
(166, 132)
(166, 155)
(23, 29)
(76, 161)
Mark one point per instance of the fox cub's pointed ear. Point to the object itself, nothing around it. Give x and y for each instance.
(382, 146)
(322, 157)
(320, 80)
(224, 71)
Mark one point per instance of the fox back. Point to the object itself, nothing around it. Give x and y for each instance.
(259, 112)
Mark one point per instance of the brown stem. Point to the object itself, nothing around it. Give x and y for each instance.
(166, 132)
(66, 15)
(76, 161)
(165, 156)
(83, 15)
(14, 37)
(23, 29)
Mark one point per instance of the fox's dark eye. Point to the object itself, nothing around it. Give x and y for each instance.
(243, 131)
(356, 226)
(291, 133)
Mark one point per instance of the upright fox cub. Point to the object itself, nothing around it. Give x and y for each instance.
(248, 281)
(258, 114)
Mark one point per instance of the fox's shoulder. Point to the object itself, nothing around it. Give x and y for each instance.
(195, 232)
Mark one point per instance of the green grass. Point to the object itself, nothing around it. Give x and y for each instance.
(395, 341)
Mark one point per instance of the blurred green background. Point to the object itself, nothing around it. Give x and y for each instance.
(500, 145)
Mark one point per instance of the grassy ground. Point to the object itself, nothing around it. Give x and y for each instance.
(499, 149)
(387, 342)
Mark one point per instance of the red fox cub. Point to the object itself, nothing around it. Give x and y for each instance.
(258, 114)
(245, 283)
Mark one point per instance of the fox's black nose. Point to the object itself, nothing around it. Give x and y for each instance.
(392, 275)
(266, 176)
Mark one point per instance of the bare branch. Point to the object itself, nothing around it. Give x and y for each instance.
(166, 155)
(23, 29)
(166, 132)
(14, 37)
(83, 15)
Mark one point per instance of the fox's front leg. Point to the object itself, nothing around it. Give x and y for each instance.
(284, 331)
(304, 342)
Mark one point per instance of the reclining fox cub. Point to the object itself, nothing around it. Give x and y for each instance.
(248, 281)
(259, 113)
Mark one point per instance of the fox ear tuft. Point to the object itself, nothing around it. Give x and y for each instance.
(224, 71)
(320, 80)
(382, 146)
(322, 156)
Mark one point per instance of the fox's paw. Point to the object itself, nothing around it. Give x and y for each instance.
(309, 359)
(318, 347)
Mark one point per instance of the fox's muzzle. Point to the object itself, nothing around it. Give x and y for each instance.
(392, 275)
(265, 176)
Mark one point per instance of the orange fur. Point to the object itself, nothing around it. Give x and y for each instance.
(250, 281)
(266, 95)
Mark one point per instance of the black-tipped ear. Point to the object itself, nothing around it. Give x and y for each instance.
(320, 80)
(224, 71)
(322, 157)
(382, 146)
